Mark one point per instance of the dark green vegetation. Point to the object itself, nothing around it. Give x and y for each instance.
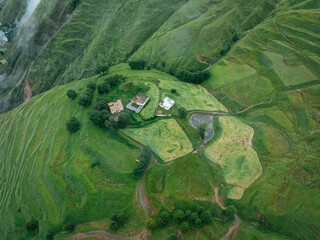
(264, 60)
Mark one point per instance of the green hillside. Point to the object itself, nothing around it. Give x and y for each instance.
(257, 178)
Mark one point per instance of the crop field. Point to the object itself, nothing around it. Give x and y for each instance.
(233, 152)
(190, 96)
(44, 161)
(165, 137)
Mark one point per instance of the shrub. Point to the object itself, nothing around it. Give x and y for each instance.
(123, 120)
(164, 218)
(50, 235)
(102, 69)
(120, 217)
(182, 112)
(151, 224)
(92, 86)
(70, 227)
(100, 104)
(71, 94)
(114, 225)
(73, 125)
(173, 90)
(185, 227)
(32, 226)
(148, 67)
(173, 236)
(193, 217)
(198, 222)
(115, 80)
(137, 65)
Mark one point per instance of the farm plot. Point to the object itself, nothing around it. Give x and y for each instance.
(165, 137)
(234, 153)
(190, 96)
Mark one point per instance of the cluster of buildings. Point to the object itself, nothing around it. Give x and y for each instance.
(137, 103)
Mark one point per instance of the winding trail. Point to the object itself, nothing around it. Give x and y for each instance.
(217, 198)
(142, 196)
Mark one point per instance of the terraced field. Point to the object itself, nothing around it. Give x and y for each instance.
(54, 167)
(165, 137)
(233, 152)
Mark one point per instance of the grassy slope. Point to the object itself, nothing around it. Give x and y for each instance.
(41, 159)
(285, 197)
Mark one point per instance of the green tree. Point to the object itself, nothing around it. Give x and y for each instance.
(184, 227)
(32, 226)
(137, 65)
(100, 104)
(70, 227)
(182, 112)
(198, 222)
(71, 94)
(124, 119)
(230, 210)
(202, 129)
(114, 225)
(193, 217)
(164, 218)
(103, 87)
(92, 86)
(99, 117)
(85, 100)
(205, 217)
(151, 224)
(73, 125)
(102, 69)
(178, 216)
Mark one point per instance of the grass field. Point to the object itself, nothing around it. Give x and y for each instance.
(233, 152)
(165, 137)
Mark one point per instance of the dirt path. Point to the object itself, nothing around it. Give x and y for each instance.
(28, 90)
(143, 199)
(233, 229)
(98, 234)
(202, 60)
(275, 25)
(217, 198)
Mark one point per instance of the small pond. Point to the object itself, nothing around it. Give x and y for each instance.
(197, 119)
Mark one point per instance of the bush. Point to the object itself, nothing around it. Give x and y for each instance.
(50, 236)
(182, 113)
(120, 217)
(137, 65)
(173, 90)
(173, 236)
(73, 125)
(32, 226)
(151, 224)
(198, 222)
(70, 227)
(114, 225)
(100, 104)
(71, 94)
(92, 86)
(193, 217)
(148, 67)
(164, 218)
(115, 80)
(123, 120)
(86, 99)
(185, 227)
(102, 69)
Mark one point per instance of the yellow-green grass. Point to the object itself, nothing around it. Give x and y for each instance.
(149, 110)
(290, 74)
(234, 153)
(165, 137)
(46, 173)
(190, 96)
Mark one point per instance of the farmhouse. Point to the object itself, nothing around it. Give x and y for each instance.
(115, 107)
(140, 100)
(167, 103)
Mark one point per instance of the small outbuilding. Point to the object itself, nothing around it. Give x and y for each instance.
(116, 107)
(167, 103)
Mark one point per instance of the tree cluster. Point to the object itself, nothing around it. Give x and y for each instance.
(110, 83)
(85, 99)
(102, 69)
(137, 65)
(73, 125)
(145, 157)
(196, 217)
(118, 220)
(196, 77)
(72, 94)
